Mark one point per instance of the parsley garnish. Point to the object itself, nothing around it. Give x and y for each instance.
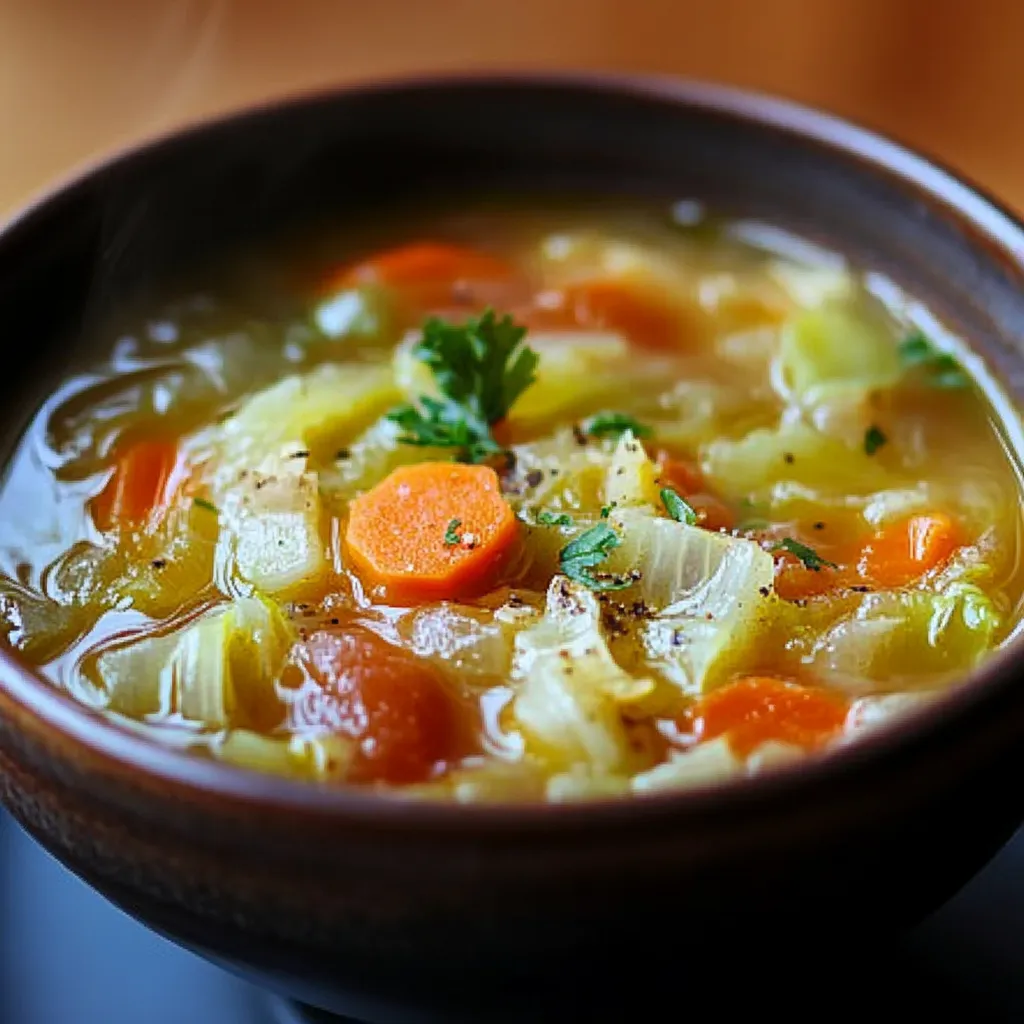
(481, 367)
(811, 559)
(873, 440)
(579, 556)
(451, 537)
(606, 510)
(678, 508)
(208, 505)
(554, 519)
(614, 424)
(943, 369)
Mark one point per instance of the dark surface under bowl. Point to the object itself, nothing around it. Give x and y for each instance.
(331, 895)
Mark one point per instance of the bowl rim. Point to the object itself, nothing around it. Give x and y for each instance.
(60, 714)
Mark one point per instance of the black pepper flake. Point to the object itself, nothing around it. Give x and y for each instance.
(534, 478)
(335, 621)
(158, 563)
(789, 458)
(860, 589)
(302, 453)
(343, 453)
(819, 526)
(764, 591)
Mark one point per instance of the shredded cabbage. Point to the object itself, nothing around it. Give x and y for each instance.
(192, 671)
(317, 758)
(322, 411)
(834, 349)
(793, 460)
(570, 691)
(711, 594)
(896, 637)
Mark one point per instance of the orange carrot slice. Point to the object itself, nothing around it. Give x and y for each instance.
(431, 531)
(905, 550)
(646, 316)
(756, 709)
(139, 490)
(687, 479)
(396, 706)
(427, 274)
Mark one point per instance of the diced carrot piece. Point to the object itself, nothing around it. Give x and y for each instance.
(680, 474)
(757, 709)
(429, 274)
(905, 550)
(406, 721)
(795, 581)
(686, 478)
(644, 315)
(140, 488)
(431, 531)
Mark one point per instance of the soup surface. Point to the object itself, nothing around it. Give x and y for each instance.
(516, 503)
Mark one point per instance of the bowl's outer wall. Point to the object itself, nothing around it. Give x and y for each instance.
(308, 899)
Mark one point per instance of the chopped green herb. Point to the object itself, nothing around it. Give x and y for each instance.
(811, 559)
(943, 369)
(678, 508)
(481, 367)
(614, 424)
(591, 548)
(606, 510)
(208, 505)
(873, 440)
(554, 519)
(451, 536)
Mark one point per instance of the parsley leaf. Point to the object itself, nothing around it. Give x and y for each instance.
(208, 505)
(811, 559)
(943, 369)
(591, 548)
(481, 367)
(554, 519)
(451, 536)
(614, 424)
(678, 507)
(873, 440)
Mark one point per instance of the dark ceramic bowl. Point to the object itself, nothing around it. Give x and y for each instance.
(330, 895)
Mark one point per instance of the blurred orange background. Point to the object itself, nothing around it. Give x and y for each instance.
(79, 77)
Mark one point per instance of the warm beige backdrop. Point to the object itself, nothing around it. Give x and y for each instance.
(79, 76)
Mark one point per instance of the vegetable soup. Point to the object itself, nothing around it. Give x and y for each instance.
(516, 503)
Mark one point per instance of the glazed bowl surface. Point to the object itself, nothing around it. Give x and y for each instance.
(361, 903)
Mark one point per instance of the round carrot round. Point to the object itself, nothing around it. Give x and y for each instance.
(431, 531)
(757, 709)
(405, 721)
